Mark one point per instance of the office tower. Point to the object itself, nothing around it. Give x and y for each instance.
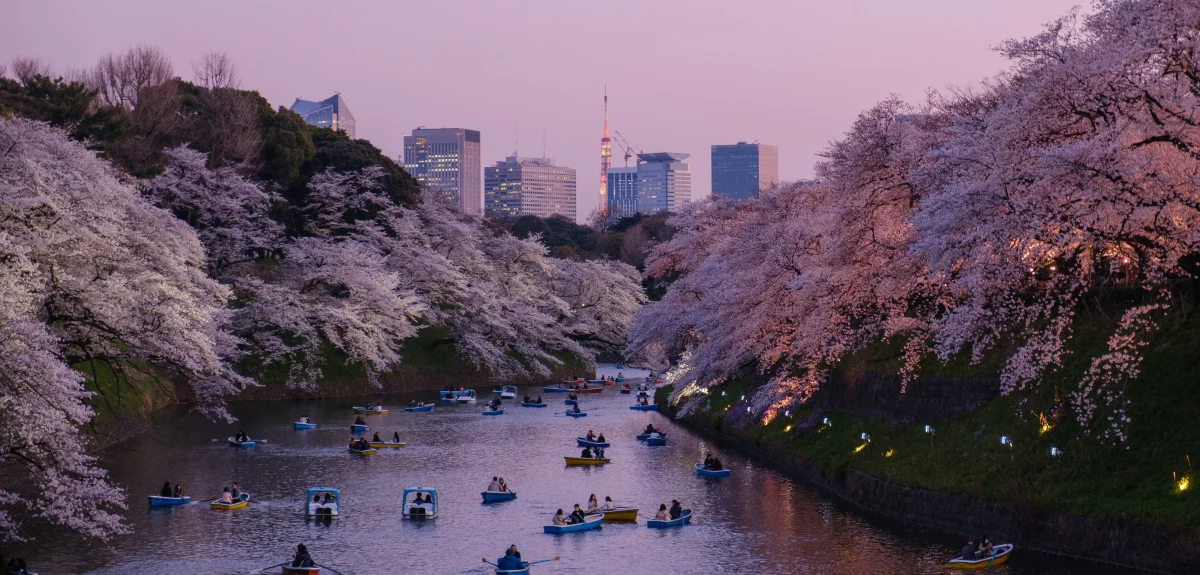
(664, 182)
(741, 170)
(446, 161)
(529, 187)
(622, 192)
(329, 113)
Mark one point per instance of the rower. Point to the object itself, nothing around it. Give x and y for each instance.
(375, 438)
(587, 453)
(601, 438)
(591, 435)
(708, 461)
(649, 428)
(968, 550)
(510, 561)
(676, 509)
(235, 493)
(577, 410)
(716, 464)
(302, 558)
(576, 516)
(241, 437)
(527, 400)
(166, 490)
(358, 420)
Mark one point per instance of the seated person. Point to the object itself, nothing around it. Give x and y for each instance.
(358, 420)
(608, 504)
(509, 562)
(649, 429)
(494, 485)
(591, 435)
(302, 558)
(237, 493)
(503, 485)
(985, 548)
(968, 550)
(226, 496)
(412, 403)
(166, 490)
(241, 436)
(576, 516)
(662, 514)
(577, 410)
(593, 503)
(539, 399)
(178, 490)
(601, 438)
(527, 400)
(676, 509)
(375, 438)
(559, 519)
(716, 464)
(395, 437)
(587, 453)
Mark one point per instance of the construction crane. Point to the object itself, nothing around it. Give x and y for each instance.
(630, 149)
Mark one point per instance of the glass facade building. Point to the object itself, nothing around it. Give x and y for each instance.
(447, 161)
(622, 192)
(740, 171)
(329, 113)
(664, 182)
(529, 187)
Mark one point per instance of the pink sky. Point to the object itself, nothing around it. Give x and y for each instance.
(682, 75)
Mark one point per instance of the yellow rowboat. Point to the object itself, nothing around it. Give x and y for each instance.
(244, 500)
(585, 461)
(386, 444)
(1002, 552)
(619, 514)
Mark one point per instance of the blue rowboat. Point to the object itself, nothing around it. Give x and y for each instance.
(494, 496)
(620, 379)
(299, 425)
(570, 401)
(580, 414)
(555, 390)
(494, 412)
(590, 522)
(532, 404)
(596, 381)
(160, 501)
(421, 408)
(684, 519)
(357, 428)
(709, 473)
(235, 443)
(584, 442)
(620, 366)
(645, 436)
(656, 441)
(651, 407)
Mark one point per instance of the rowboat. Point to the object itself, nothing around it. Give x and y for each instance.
(160, 501)
(494, 411)
(1000, 555)
(494, 496)
(420, 408)
(589, 390)
(242, 501)
(370, 410)
(651, 407)
(645, 436)
(506, 392)
(684, 518)
(656, 441)
(361, 451)
(287, 570)
(386, 444)
(297, 425)
(620, 379)
(710, 473)
(585, 442)
(620, 514)
(532, 404)
(555, 390)
(235, 443)
(580, 414)
(359, 428)
(590, 522)
(586, 461)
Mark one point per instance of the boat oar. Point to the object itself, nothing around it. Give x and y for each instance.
(271, 567)
(542, 561)
(328, 567)
(989, 565)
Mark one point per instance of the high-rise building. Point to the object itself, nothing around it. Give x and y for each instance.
(521, 186)
(329, 113)
(664, 182)
(622, 192)
(446, 161)
(741, 170)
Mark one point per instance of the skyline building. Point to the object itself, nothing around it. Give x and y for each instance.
(664, 182)
(520, 186)
(605, 161)
(331, 113)
(740, 171)
(622, 191)
(447, 161)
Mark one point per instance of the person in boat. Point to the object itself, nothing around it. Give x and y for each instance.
(503, 485)
(375, 438)
(572, 397)
(593, 503)
(362, 444)
(576, 516)
(587, 453)
(676, 509)
(178, 490)
(509, 562)
(649, 429)
(985, 548)
(599, 452)
(235, 492)
(559, 519)
(708, 461)
(601, 438)
(226, 496)
(412, 403)
(301, 558)
(577, 410)
(968, 550)
(17, 566)
(241, 437)
(527, 399)
(358, 420)
(539, 399)
(662, 514)
(494, 485)
(166, 490)
(716, 464)
(513, 549)
(608, 504)
(591, 435)
(395, 437)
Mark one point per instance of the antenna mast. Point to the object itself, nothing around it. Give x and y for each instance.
(605, 160)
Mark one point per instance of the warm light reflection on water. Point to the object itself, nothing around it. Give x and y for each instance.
(756, 521)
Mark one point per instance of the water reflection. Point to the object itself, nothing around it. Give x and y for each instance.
(756, 521)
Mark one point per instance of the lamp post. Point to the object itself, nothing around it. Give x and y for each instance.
(1006, 440)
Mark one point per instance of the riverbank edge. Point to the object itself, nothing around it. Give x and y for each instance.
(1119, 543)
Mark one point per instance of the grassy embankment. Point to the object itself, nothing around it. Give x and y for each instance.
(964, 455)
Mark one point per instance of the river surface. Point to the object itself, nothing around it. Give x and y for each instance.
(756, 521)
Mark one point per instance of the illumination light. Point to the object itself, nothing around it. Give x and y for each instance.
(929, 429)
(889, 452)
(788, 428)
(1044, 428)
(1182, 484)
(1055, 452)
(860, 448)
(827, 422)
(866, 437)
(1005, 440)
(743, 398)
(787, 413)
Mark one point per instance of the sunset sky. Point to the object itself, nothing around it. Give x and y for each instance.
(682, 75)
